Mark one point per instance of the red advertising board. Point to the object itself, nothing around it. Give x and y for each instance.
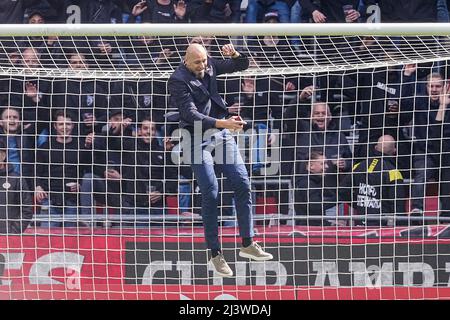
(308, 264)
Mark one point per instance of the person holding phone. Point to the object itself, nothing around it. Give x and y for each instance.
(204, 118)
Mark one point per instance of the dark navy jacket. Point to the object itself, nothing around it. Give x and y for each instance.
(191, 96)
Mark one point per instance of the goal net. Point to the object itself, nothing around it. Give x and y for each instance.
(347, 147)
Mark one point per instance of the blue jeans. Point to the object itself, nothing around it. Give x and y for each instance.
(141, 216)
(227, 160)
(255, 11)
(228, 204)
(70, 208)
(259, 147)
(184, 196)
(296, 15)
(425, 167)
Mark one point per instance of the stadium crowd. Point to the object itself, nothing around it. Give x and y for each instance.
(371, 138)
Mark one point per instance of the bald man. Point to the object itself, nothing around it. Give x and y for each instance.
(386, 145)
(377, 185)
(212, 148)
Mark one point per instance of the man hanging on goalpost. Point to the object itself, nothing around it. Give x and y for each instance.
(193, 89)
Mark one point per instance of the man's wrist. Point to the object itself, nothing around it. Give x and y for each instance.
(219, 124)
(235, 55)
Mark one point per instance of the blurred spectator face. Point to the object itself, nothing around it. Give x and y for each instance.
(203, 40)
(30, 58)
(318, 166)
(196, 60)
(2, 157)
(3, 154)
(36, 18)
(271, 17)
(386, 145)
(435, 88)
(104, 47)
(147, 131)
(63, 126)
(116, 119)
(10, 121)
(320, 115)
(248, 85)
(78, 62)
(14, 58)
(146, 39)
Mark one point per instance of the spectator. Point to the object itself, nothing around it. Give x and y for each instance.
(16, 200)
(256, 9)
(256, 104)
(430, 120)
(443, 116)
(272, 50)
(105, 184)
(332, 11)
(163, 11)
(386, 101)
(377, 185)
(151, 173)
(20, 144)
(332, 49)
(62, 162)
(150, 53)
(88, 11)
(160, 11)
(321, 132)
(30, 93)
(215, 11)
(85, 99)
(13, 11)
(48, 48)
(314, 195)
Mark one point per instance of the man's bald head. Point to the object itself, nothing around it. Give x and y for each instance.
(196, 60)
(386, 145)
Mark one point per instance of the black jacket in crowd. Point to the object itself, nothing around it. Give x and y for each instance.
(314, 194)
(445, 165)
(79, 96)
(60, 163)
(213, 12)
(91, 11)
(35, 114)
(376, 188)
(156, 13)
(332, 142)
(429, 133)
(374, 88)
(16, 203)
(13, 11)
(149, 166)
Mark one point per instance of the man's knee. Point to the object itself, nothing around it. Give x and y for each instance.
(211, 192)
(243, 187)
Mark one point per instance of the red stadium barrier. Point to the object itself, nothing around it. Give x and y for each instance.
(309, 263)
